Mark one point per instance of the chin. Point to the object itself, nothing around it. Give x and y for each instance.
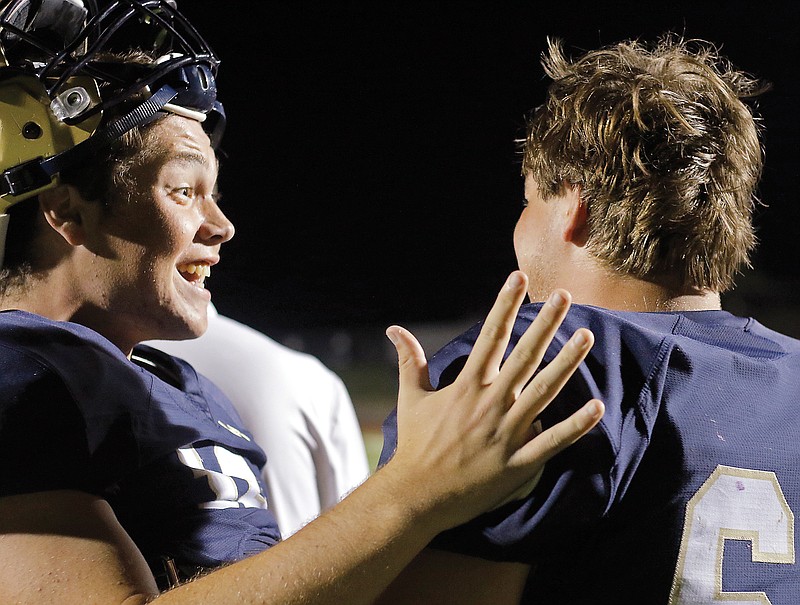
(194, 328)
(183, 326)
(186, 317)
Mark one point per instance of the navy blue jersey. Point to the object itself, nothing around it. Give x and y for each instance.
(162, 445)
(686, 491)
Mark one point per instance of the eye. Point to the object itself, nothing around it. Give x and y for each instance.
(524, 202)
(183, 194)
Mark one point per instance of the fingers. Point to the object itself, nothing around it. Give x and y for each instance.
(549, 382)
(484, 361)
(529, 351)
(411, 362)
(550, 442)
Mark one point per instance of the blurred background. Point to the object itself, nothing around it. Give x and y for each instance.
(373, 176)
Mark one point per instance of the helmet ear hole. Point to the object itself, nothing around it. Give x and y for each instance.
(31, 130)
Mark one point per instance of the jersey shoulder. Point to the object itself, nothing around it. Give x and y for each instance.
(55, 432)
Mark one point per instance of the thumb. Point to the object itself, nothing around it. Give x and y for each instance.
(411, 362)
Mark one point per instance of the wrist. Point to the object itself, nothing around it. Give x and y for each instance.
(416, 498)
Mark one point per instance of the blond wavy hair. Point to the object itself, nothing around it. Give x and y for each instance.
(665, 152)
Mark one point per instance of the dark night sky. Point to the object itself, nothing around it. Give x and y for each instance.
(372, 170)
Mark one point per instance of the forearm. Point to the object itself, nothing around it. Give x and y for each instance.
(348, 555)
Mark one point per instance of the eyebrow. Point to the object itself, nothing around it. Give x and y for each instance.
(192, 158)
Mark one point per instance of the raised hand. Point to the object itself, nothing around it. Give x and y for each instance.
(470, 445)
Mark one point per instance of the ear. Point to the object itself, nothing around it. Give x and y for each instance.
(576, 229)
(63, 208)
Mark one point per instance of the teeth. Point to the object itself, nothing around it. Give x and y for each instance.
(202, 271)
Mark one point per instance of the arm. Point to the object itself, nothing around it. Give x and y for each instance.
(440, 577)
(460, 451)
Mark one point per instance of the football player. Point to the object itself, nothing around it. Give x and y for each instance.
(639, 173)
(123, 470)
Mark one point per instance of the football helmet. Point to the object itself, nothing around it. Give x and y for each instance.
(71, 82)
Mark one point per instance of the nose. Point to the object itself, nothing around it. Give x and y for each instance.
(215, 229)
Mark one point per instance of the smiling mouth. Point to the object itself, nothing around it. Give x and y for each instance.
(195, 274)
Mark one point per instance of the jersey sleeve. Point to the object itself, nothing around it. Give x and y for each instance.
(576, 489)
(43, 441)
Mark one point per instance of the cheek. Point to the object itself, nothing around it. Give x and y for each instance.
(522, 234)
(182, 232)
(174, 234)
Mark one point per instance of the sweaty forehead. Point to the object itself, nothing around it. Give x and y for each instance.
(184, 141)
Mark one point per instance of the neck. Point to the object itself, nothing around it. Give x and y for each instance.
(41, 295)
(647, 297)
(51, 296)
(611, 290)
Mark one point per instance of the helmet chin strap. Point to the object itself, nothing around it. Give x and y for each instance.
(39, 172)
(82, 151)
